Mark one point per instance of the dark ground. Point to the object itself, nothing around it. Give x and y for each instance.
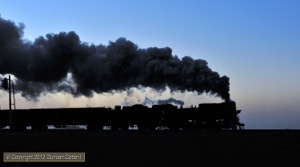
(161, 148)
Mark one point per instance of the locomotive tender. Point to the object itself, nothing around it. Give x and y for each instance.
(209, 116)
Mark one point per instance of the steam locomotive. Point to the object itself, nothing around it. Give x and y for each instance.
(209, 116)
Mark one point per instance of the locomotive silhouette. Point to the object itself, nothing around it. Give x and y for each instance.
(208, 116)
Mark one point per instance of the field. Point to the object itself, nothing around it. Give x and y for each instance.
(161, 148)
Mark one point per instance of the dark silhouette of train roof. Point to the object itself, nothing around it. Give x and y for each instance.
(210, 116)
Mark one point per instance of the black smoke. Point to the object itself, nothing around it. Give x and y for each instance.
(171, 100)
(43, 65)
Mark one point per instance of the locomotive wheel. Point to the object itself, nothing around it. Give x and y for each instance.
(39, 128)
(141, 127)
(18, 128)
(94, 127)
(124, 127)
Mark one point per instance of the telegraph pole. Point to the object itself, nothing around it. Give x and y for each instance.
(6, 84)
(9, 91)
(10, 112)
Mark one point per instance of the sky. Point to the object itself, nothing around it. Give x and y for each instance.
(253, 42)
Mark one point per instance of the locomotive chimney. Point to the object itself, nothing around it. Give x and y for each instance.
(117, 108)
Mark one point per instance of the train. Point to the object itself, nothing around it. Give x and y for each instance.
(206, 116)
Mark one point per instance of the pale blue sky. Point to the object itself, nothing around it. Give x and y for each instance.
(256, 43)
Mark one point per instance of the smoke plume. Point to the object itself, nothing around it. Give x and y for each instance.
(165, 101)
(170, 101)
(63, 63)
